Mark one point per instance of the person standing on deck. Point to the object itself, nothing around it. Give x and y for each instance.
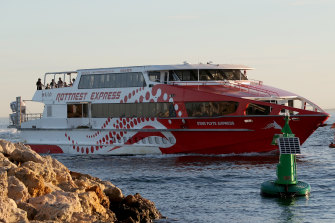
(60, 83)
(53, 84)
(39, 84)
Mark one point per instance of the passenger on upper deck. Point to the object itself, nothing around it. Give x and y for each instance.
(71, 82)
(60, 82)
(39, 84)
(52, 84)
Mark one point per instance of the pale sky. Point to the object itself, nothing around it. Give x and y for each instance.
(290, 43)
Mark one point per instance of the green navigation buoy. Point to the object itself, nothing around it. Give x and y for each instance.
(286, 183)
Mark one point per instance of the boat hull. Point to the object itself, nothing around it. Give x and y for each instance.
(165, 136)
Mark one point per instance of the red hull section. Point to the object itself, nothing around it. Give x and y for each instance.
(206, 136)
(46, 149)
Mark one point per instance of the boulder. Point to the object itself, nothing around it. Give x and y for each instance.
(5, 164)
(84, 181)
(9, 212)
(135, 208)
(83, 218)
(57, 205)
(17, 190)
(90, 203)
(42, 170)
(103, 199)
(23, 153)
(42, 189)
(62, 177)
(6, 147)
(29, 208)
(32, 181)
(114, 194)
(3, 185)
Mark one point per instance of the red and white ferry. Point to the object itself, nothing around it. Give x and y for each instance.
(186, 108)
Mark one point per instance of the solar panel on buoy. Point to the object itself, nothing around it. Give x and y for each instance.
(289, 145)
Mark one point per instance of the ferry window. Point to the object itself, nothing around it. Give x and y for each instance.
(86, 82)
(186, 75)
(77, 110)
(210, 109)
(114, 80)
(254, 109)
(208, 75)
(154, 76)
(130, 110)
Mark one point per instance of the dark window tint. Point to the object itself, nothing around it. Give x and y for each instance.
(130, 110)
(77, 110)
(255, 109)
(210, 109)
(208, 75)
(114, 80)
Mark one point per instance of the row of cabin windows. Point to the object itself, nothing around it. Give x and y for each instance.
(195, 75)
(113, 80)
(129, 110)
(162, 109)
(221, 108)
(136, 79)
(210, 109)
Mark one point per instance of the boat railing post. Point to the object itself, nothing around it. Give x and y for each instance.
(18, 112)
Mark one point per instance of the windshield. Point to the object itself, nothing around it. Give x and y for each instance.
(208, 75)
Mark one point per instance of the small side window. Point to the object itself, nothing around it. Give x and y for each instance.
(255, 109)
(154, 76)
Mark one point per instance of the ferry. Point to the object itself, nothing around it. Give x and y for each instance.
(161, 109)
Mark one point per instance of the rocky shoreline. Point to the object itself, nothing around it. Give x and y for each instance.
(36, 188)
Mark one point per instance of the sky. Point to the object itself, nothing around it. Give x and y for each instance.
(290, 43)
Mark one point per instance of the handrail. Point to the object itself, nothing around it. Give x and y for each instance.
(31, 116)
(253, 87)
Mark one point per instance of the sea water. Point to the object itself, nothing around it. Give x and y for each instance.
(223, 188)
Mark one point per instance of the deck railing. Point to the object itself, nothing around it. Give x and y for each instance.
(31, 116)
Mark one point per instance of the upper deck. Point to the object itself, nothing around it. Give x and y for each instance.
(109, 85)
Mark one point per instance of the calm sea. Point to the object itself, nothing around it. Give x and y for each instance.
(226, 188)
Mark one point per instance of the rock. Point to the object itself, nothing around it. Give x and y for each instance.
(6, 147)
(42, 170)
(130, 200)
(33, 182)
(103, 199)
(17, 190)
(24, 153)
(114, 194)
(63, 177)
(90, 203)
(5, 164)
(84, 181)
(29, 208)
(136, 207)
(148, 208)
(57, 205)
(9, 212)
(42, 189)
(3, 185)
(83, 218)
